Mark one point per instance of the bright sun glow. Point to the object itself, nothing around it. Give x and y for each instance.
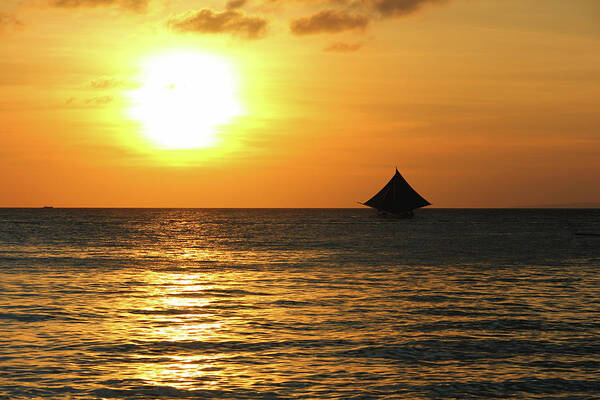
(184, 99)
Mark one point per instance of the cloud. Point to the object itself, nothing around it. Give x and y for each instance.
(104, 83)
(99, 100)
(329, 21)
(235, 4)
(229, 21)
(396, 8)
(136, 5)
(9, 22)
(338, 16)
(340, 47)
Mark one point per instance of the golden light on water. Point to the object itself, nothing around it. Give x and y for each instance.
(184, 99)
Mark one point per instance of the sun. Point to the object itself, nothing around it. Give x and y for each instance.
(185, 98)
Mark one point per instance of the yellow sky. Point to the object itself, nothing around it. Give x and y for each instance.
(479, 103)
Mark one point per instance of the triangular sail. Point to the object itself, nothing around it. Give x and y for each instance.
(397, 197)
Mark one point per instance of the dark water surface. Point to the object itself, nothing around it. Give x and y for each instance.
(299, 304)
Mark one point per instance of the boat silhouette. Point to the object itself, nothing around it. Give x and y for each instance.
(397, 198)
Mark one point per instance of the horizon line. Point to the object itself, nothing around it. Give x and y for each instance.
(584, 206)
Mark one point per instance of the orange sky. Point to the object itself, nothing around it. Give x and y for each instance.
(479, 103)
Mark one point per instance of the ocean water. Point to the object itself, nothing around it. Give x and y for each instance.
(299, 304)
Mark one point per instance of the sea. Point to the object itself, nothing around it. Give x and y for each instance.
(299, 304)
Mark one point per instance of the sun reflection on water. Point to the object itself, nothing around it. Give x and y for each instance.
(173, 318)
(170, 316)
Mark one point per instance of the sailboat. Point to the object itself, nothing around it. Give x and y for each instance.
(397, 198)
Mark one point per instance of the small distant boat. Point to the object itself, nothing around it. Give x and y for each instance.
(397, 198)
(47, 207)
(587, 234)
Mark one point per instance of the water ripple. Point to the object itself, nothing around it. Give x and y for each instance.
(298, 304)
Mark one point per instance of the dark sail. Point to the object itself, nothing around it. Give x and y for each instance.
(397, 197)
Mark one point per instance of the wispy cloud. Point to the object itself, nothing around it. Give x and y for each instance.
(96, 101)
(9, 22)
(341, 47)
(207, 21)
(344, 15)
(328, 17)
(384, 8)
(328, 21)
(99, 100)
(234, 4)
(136, 5)
(396, 8)
(104, 83)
